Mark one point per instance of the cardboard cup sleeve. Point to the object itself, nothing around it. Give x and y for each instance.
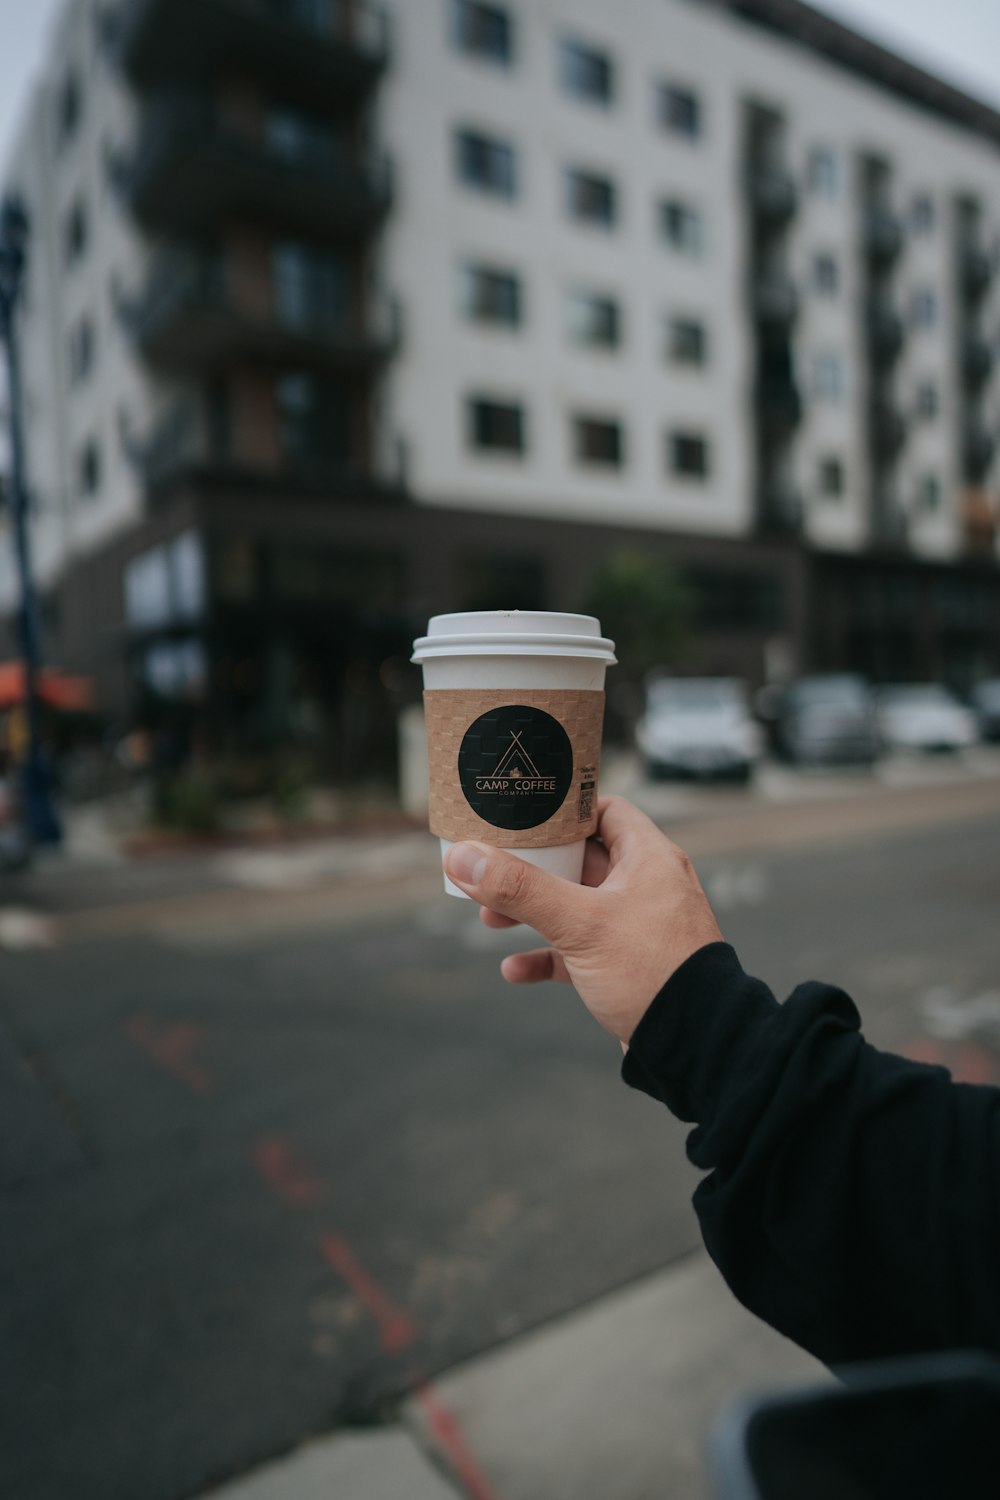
(514, 767)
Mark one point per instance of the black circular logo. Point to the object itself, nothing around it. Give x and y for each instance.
(515, 766)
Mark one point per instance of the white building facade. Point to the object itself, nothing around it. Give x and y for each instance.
(328, 301)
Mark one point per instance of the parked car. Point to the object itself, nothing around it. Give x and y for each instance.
(985, 700)
(698, 726)
(923, 716)
(827, 719)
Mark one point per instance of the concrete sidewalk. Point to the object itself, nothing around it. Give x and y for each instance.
(616, 1400)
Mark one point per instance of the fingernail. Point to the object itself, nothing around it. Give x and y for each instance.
(467, 863)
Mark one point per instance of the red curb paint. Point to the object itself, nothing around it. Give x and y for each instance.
(172, 1048)
(284, 1173)
(396, 1329)
(444, 1429)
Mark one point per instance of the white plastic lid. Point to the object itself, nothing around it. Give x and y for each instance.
(514, 632)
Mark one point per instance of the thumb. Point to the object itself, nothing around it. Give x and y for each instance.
(498, 880)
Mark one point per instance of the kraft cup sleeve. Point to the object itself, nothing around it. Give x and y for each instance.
(451, 713)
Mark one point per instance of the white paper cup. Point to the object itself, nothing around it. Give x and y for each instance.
(515, 703)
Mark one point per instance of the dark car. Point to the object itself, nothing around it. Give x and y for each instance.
(826, 720)
(985, 700)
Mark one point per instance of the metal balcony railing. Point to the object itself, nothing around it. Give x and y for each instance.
(199, 311)
(976, 268)
(886, 428)
(885, 331)
(978, 449)
(775, 300)
(883, 235)
(297, 42)
(774, 194)
(977, 359)
(191, 167)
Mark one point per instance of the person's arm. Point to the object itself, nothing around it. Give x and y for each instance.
(853, 1196)
(853, 1199)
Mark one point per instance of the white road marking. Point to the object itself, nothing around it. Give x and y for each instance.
(952, 1017)
(22, 929)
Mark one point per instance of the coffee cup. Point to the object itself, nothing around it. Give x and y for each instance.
(514, 705)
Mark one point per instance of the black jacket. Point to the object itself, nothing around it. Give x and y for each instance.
(853, 1200)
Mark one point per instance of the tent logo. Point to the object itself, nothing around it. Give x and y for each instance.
(516, 772)
(515, 766)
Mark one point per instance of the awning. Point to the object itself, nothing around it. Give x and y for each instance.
(57, 689)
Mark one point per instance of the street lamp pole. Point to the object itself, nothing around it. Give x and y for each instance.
(40, 815)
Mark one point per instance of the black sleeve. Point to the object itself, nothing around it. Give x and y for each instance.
(853, 1200)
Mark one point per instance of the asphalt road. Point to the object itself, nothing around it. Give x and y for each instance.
(269, 1163)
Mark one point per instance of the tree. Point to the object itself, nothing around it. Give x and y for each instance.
(645, 606)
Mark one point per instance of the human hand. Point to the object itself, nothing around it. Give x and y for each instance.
(618, 937)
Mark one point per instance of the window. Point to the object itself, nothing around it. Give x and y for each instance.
(678, 110)
(687, 455)
(593, 320)
(924, 309)
(590, 199)
(80, 348)
(69, 107)
(495, 426)
(484, 31)
(686, 342)
(310, 286)
(922, 213)
(586, 73)
(597, 440)
(681, 225)
(486, 163)
(314, 421)
(487, 295)
(828, 377)
(831, 478)
(88, 469)
(75, 232)
(825, 275)
(927, 400)
(821, 173)
(929, 493)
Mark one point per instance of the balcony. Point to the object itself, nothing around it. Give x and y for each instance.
(977, 360)
(191, 171)
(778, 406)
(185, 450)
(884, 332)
(309, 50)
(975, 269)
(883, 236)
(886, 430)
(775, 302)
(774, 195)
(978, 449)
(197, 314)
(779, 509)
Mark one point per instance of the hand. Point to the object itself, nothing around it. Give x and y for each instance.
(619, 936)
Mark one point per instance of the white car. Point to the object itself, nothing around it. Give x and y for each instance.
(923, 716)
(698, 726)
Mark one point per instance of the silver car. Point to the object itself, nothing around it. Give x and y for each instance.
(827, 719)
(698, 726)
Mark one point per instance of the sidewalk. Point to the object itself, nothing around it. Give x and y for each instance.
(615, 1400)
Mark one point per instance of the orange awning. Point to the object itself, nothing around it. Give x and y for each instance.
(57, 689)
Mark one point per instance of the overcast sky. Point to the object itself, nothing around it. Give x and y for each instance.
(960, 39)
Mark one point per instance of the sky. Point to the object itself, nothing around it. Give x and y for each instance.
(960, 39)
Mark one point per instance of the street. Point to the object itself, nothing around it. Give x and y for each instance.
(277, 1148)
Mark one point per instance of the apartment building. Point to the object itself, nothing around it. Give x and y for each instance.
(341, 315)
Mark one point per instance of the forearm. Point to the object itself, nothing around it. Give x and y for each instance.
(852, 1196)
